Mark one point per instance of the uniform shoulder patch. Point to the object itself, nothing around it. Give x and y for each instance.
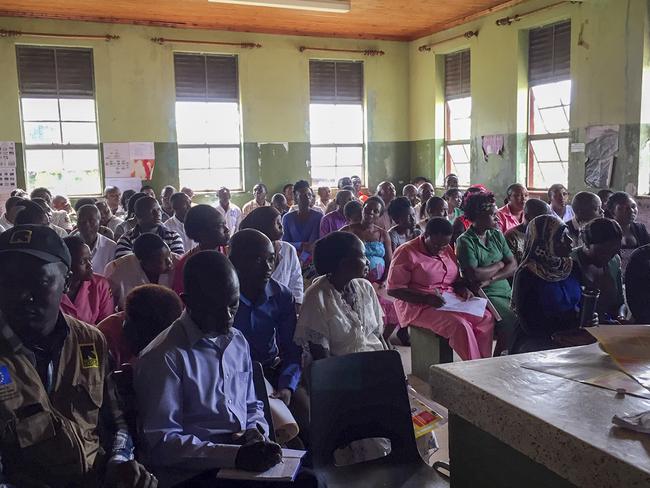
(89, 357)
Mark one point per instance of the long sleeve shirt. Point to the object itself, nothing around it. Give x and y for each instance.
(193, 393)
(287, 271)
(268, 326)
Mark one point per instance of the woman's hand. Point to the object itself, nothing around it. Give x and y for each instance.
(435, 300)
(464, 292)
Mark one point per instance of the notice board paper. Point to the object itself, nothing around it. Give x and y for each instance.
(7, 154)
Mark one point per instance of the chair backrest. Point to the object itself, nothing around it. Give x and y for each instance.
(359, 396)
(262, 396)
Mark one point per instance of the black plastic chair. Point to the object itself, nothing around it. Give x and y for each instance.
(361, 396)
(262, 395)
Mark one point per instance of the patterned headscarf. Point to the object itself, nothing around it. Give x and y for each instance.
(540, 257)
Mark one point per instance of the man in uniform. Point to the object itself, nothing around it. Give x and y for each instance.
(60, 419)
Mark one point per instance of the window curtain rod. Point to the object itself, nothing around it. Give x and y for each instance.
(517, 17)
(365, 52)
(13, 33)
(246, 45)
(466, 35)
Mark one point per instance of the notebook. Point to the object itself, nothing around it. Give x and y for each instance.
(284, 471)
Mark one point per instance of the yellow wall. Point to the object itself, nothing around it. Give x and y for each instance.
(607, 50)
(135, 80)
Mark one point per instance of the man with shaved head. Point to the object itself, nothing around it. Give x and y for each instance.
(181, 204)
(194, 385)
(207, 227)
(148, 215)
(516, 237)
(11, 208)
(267, 312)
(385, 191)
(586, 207)
(102, 249)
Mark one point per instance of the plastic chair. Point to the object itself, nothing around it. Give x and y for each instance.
(360, 396)
(262, 395)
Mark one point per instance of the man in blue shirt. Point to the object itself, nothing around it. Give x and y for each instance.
(267, 312)
(194, 384)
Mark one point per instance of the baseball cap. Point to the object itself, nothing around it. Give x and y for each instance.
(36, 240)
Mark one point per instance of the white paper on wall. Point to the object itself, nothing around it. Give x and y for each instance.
(7, 154)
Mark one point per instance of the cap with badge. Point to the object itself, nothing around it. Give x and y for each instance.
(36, 240)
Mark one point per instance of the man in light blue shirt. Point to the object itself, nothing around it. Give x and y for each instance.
(194, 384)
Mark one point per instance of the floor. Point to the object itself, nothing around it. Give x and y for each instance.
(442, 454)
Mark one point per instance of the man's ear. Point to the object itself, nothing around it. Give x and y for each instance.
(68, 279)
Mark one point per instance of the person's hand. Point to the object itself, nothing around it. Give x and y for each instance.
(258, 456)
(307, 246)
(249, 436)
(464, 292)
(283, 394)
(594, 320)
(435, 299)
(130, 474)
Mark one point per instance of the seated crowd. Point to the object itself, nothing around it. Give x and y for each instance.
(131, 323)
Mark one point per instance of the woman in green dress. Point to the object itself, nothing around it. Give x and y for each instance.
(486, 262)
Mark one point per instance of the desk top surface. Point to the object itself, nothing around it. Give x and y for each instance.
(563, 424)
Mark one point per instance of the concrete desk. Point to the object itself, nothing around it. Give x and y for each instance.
(514, 427)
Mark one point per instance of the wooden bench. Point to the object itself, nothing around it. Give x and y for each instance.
(427, 348)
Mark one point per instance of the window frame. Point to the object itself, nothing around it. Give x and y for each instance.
(448, 141)
(209, 146)
(551, 78)
(530, 181)
(60, 146)
(334, 145)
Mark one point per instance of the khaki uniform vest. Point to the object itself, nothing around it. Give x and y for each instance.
(53, 438)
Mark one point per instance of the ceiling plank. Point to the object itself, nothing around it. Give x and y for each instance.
(399, 20)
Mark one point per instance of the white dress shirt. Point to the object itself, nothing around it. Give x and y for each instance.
(233, 216)
(102, 253)
(176, 225)
(59, 231)
(288, 272)
(125, 273)
(61, 218)
(5, 223)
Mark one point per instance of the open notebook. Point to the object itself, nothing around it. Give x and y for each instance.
(285, 471)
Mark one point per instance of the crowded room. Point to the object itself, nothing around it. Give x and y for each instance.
(324, 243)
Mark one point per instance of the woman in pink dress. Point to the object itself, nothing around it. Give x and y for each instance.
(512, 213)
(421, 271)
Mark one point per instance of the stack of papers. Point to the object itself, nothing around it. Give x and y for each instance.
(453, 303)
(284, 471)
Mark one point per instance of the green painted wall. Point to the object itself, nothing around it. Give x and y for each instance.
(609, 52)
(135, 95)
(610, 71)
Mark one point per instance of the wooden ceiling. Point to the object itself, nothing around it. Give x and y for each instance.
(368, 19)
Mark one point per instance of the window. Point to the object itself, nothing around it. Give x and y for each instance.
(458, 116)
(336, 120)
(549, 105)
(208, 121)
(57, 99)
